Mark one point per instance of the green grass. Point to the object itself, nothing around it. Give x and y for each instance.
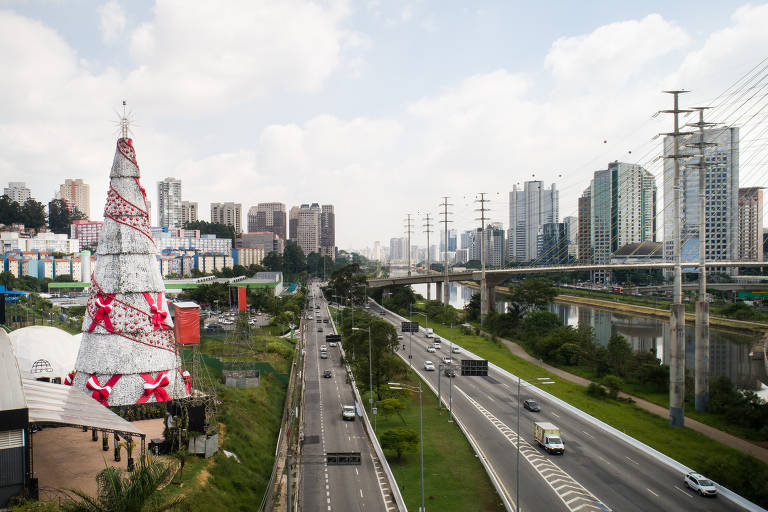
(682, 444)
(251, 419)
(454, 479)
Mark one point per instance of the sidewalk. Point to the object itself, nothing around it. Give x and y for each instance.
(718, 435)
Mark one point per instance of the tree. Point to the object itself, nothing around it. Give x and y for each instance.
(473, 307)
(614, 384)
(33, 215)
(294, 261)
(212, 228)
(401, 440)
(59, 216)
(390, 406)
(120, 492)
(530, 295)
(273, 262)
(619, 355)
(10, 210)
(8, 280)
(349, 282)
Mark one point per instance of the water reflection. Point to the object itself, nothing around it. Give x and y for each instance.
(729, 353)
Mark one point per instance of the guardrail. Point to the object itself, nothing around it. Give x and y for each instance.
(395, 489)
(652, 452)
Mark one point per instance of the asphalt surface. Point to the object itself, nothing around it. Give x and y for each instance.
(598, 472)
(340, 488)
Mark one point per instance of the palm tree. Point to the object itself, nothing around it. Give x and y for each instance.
(125, 492)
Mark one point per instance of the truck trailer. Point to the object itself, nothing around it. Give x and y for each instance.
(548, 436)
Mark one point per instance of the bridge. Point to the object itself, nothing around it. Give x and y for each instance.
(495, 277)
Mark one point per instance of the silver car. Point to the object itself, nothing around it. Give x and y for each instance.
(701, 484)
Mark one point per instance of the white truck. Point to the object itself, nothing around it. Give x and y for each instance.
(430, 332)
(548, 436)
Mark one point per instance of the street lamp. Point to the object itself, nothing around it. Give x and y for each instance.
(370, 369)
(411, 338)
(414, 389)
(542, 380)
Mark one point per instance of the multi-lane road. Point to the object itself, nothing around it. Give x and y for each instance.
(598, 471)
(323, 487)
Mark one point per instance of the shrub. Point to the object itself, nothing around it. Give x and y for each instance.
(596, 390)
(614, 384)
(280, 349)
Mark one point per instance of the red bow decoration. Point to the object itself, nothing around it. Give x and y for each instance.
(69, 378)
(102, 312)
(158, 315)
(187, 380)
(143, 190)
(155, 386)
(101, 393)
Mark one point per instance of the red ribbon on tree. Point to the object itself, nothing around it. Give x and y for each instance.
(69, 378)
(143, 190)
(158, 315)
(187, 380)
(155, 385)
(103, 309)
(101, 393)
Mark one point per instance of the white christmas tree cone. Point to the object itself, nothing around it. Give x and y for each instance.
(128, 354)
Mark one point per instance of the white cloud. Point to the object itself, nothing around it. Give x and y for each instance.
(208, 55)
(111, 21)
(612, 54)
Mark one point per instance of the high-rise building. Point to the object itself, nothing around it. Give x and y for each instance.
(495, 251)
(584, 238)
(452, 240)
(376, 254)
(530, 208)
(721, 178)
(293, 223)
(751, 223)
(573, 235)
(623, 209)
(87, 232)
(470, 240)
(77, 195)
(264, 240)
(267, 217)
(306, 232)
(229, 214)
(397, 249)
(189, 212)
(328, 231)
(169, 203)
(17, 191)
(553, 242)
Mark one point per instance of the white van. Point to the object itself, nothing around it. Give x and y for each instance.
(430, 332)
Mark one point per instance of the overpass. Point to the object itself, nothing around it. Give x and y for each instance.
(495, 277)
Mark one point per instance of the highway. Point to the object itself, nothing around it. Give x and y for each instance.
(322, 487)
(598, 472)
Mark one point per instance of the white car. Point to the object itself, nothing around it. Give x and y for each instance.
(323, 348)
(447, 360)
(348, 413)
(431, 349)
(701, 484)
(331, 343)
(429, 366)
(456, 349)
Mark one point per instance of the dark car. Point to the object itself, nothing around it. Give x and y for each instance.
(449, 372)
(319, 329)
(327, 374)
(531, 405)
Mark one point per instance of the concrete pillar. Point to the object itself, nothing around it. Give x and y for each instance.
(483, 300)
(446, 291)
(438, 290)
(701, 388)
(677, 366)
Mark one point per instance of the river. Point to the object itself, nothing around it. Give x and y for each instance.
(729, 353)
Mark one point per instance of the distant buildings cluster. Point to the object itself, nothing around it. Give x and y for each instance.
(618, 218)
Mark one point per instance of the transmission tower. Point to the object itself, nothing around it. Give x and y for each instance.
(445, 204)
(409, 230)
(427, 230)
(677, 315)
(483, 285)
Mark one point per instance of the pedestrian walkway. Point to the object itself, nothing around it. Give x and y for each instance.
(716, 434)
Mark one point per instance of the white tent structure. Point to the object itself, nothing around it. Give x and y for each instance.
(45, 353)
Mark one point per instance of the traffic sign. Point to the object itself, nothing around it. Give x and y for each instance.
(409, 327)
(474, 367)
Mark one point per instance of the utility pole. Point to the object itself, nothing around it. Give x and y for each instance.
(427, 225)
(484, 307)
(408, 249)
(445, 204)
(677, 314)
(701, 356)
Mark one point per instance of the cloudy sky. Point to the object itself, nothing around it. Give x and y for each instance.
(378, 107)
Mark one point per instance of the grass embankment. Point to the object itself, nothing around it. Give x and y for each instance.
(454, 479)
(739, 472)
(249, 423)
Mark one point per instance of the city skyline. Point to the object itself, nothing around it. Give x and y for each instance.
(471, 117)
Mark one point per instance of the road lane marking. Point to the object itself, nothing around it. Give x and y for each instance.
(684, 492)
(632, 461)
(587, 434)
(361, 493)
(564, 485)
(602, 459)
(555, 414)
(650, 491)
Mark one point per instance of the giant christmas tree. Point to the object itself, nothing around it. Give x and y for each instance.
(128, 354)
